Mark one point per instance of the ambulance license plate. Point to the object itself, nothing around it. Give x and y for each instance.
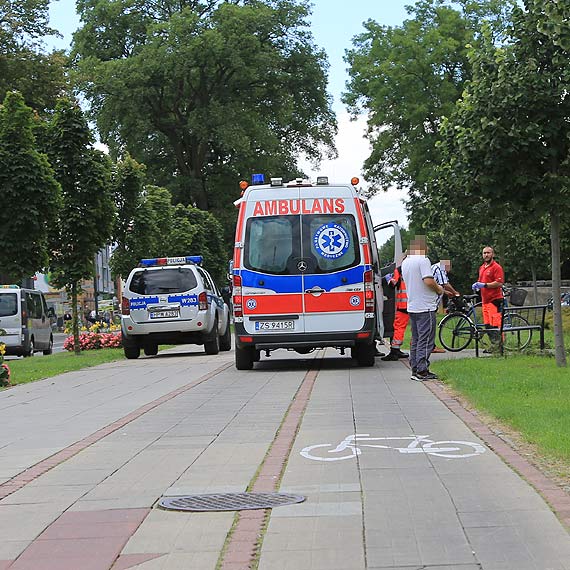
(274, 325)
(165, 314)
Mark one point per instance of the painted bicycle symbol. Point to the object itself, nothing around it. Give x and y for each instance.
(352, 445)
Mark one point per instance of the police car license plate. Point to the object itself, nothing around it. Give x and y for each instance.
(164, 314)
(274, 325)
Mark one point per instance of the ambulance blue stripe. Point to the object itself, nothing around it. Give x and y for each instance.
(277, 283)
(328, 281)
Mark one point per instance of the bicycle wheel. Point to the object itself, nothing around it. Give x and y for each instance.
(485, 342)
(348, 453)
(454, 449)
(455, 332)
(516, 339)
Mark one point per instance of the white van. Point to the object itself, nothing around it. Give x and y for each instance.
(25, 326)
(305, 271)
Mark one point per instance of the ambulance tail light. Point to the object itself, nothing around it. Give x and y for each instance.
(203, 301)
(237, 298)
(369, 305)
(125, 306)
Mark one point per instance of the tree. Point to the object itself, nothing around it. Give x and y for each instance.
(30, 195)
(509, 138)
(200, 89)
(406, 78)
(40, 77)
(87, 216)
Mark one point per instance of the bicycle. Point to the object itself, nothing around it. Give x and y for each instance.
(464, 323)
(351, 446)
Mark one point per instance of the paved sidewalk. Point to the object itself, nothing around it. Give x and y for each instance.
(386, 508)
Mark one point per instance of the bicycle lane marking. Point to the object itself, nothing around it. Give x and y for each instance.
(418, 444)
(18, 481)
(245, 539)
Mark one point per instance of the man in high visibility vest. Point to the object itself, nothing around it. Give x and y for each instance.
(401, 318)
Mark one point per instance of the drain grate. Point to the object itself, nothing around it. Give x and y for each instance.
(229, 501)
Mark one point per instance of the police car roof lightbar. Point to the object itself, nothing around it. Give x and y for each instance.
(9, 286)
(159, 261)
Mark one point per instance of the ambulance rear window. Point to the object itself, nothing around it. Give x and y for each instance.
(332, 240)
(271, 242)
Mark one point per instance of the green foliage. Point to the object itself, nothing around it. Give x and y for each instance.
(549, 320)
(406, 78)
(29, 194)
(203, 90)
(22, 24)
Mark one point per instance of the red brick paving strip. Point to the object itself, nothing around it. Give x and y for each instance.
(42, 467)
(82, 541)
(556, 497)
(242, 547)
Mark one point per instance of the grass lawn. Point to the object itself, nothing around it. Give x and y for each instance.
(26, 370)
(527, 393)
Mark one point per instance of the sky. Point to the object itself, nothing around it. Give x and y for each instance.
(333, 23)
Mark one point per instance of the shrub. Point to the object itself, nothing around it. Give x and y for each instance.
(549, 320)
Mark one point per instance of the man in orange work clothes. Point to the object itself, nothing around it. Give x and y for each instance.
(490, 283)
(401, 318)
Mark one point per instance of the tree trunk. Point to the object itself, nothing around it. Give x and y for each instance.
(75, 319)
(560, 353)
(534, 285)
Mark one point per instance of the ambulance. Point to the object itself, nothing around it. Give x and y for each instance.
(305, 271)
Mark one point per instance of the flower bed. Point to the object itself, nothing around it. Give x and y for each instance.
(94, 341)
(4, 368)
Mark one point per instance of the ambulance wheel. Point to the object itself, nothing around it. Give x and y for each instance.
(365, 354)
(212, 344)
(226, 338)
(244, 358)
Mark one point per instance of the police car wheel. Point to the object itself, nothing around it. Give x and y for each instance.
(131, 352)
(212, 344)
(244, 358)
(226, 338)
(151, 349)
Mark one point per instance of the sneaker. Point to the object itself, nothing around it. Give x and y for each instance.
(424, 376)
(399, 353)
(390, 357)
(438, 350)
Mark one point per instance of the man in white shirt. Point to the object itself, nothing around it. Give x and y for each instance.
(423, 299)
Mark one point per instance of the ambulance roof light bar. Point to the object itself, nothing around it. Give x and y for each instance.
(160, 261)
(322, 180)
(257, 179)
(276, 181)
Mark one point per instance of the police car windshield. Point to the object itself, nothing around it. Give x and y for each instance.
(8, 304)
(167, 280)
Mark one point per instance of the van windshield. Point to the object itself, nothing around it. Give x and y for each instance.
(8, 304)
(329, 243)
(165, 281)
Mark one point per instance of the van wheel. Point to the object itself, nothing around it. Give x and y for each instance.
(132, 352)
(49, 349)
(212, 344)
(244, 358)
(31, 349)
(226, 338)
(365, 354)
(151, 349)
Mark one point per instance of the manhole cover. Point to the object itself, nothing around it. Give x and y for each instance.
(229, 501)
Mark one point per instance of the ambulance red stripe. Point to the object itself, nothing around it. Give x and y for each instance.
(334, 302)
(274, 304)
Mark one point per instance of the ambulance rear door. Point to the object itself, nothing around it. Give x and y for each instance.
(333, 279)
(271, 262)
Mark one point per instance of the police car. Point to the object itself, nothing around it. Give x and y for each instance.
(173, 300)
